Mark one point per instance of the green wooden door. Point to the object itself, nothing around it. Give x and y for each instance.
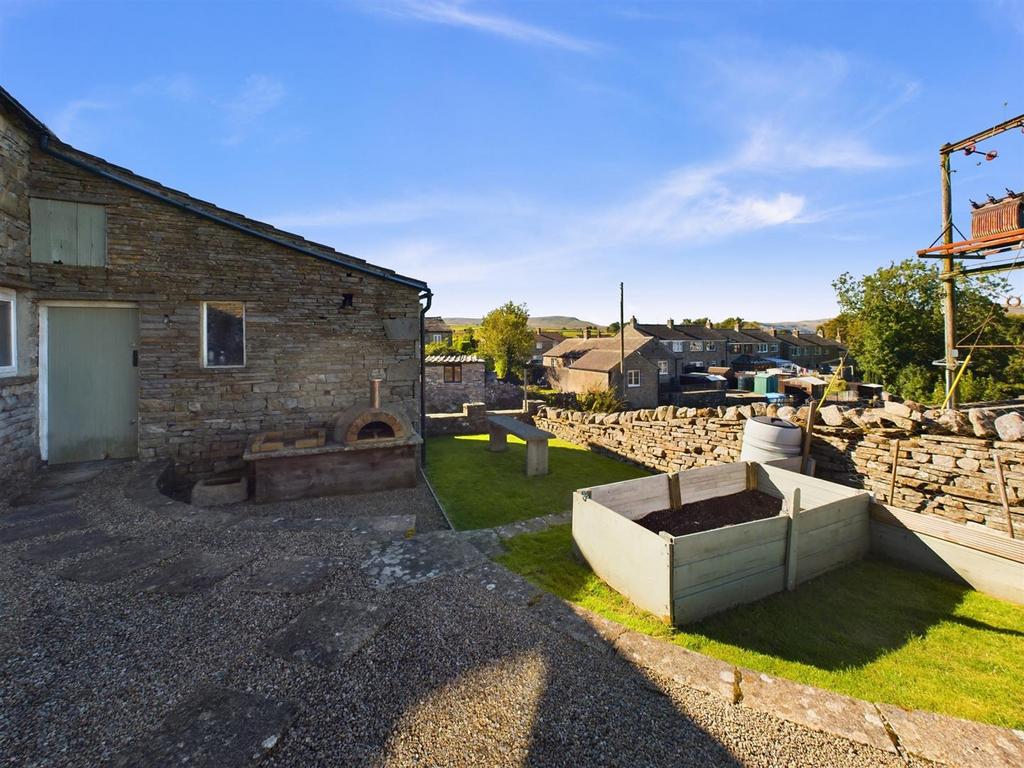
(92, 383)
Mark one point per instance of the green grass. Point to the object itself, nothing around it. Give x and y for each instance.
(870, 630)
(481, 489)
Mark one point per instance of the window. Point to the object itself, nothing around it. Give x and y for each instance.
(453, 374)
(540, 345)
(8, 333)
(797, 352)
(775, 348)
(436, 338)
(748, 348)
(710, 346)
(633, 377)
(735, 348)
(663, 367)
(696, 346)
(762, 347)
(677, 346)
(223, 334)
(74, 234)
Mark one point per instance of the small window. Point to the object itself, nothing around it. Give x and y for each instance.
(663, 367)
(453, 374)
(696, 346)
(223, 334)
(8, 333)
(710, 346)
(797, 352)
(775, 348)
(633, 377)
(762, 347)
(73, 234)
(540, 345)
(735, 348)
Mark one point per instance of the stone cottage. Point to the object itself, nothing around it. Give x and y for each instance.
(580, 365)
(437, 331)
(136, 321)
(451, 380)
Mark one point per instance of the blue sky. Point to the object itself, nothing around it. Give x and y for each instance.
(721, 158)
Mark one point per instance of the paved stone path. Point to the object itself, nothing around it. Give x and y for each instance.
(315, 635)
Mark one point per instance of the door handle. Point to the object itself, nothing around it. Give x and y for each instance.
(135, 358)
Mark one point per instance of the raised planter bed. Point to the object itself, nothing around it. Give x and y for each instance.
(686, 577)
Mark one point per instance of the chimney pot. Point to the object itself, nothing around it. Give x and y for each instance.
(375, 393)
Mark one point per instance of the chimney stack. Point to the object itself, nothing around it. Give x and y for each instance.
(708, 324)
(796, 332)
(671, 323)
(773, 331)
(736, 326)
(586, 332)
(375, 393)
(632, 322)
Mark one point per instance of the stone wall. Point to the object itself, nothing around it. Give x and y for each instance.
(948, 475)
(18, 404)
(308, 357)
(448, 397)
(472, 420)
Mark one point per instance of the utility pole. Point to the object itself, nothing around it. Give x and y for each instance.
(948, 287)
(622, 340)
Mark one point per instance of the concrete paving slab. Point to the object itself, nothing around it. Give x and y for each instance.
(328, 633)
(63, 476)
(68, 546)
(421, 558)
(373, 527)
(44, 495)
(46, 526)
(292, 575)
(116, 564)
(194, 572)
(682, 666)
(952, 741)
(214, 728)
(36, 512)
(821, 710)
(487, 541)
(510, 586)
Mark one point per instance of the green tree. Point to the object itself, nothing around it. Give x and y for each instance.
(506, 338)
(613, 328)
(892, 321)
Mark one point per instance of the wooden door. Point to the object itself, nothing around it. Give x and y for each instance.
(92, 383)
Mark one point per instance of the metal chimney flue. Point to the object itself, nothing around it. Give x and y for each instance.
(375, 393)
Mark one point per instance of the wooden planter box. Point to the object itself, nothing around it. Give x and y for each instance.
(684, 578)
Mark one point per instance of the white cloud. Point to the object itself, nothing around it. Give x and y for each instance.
(68, 120)
(455, 13)
(178, 87)
(259, 95)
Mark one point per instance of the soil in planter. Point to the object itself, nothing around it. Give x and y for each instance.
(712, 513)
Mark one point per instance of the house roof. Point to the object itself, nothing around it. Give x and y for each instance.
(554, 336)
(602, 360)
(761, 335)
(702, 332)
(436, 325)
(52, 145)
(740, 337)
(663, 332)
(798, 341)
(452, 359)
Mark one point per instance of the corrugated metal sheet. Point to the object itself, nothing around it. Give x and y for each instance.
(1002, 215)
(452, 359)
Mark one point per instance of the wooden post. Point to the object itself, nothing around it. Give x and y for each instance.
(1002, 493)
(791, 555)
(675, 496)
(895, 466)
(812, 411)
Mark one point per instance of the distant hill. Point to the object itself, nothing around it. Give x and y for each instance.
(550, 321)
(800, 325)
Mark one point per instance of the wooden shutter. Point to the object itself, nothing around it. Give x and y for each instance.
(68, 233)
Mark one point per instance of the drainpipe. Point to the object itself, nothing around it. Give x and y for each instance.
(429, 297)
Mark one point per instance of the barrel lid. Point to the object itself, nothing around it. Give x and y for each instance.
(774, 421)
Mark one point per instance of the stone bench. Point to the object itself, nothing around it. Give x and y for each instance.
(499, 428)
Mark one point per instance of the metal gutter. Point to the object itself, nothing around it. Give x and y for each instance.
(44, 144)
(429, 297)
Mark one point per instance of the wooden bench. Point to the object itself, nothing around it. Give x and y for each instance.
(536, 441)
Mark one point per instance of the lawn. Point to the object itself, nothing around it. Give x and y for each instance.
(870, 630)
(481, 489)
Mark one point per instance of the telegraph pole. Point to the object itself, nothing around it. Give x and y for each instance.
(948, 287)
(622, 340)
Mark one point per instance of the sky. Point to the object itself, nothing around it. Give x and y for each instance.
(719, 158)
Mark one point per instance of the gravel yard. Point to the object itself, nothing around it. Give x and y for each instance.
(315, 635)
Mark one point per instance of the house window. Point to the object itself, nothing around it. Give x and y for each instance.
(73, 234)
(710, 346)
(762, 347)
(436, 338)
(797, 352)
(696, 346)
(663, 367)
(8, 333)
(735, 348)
(677, 346)
(453, 374)
(540, 345)
(633, 377)
(775, 348)
(223, 334)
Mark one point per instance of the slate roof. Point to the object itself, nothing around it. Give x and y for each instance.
(452, 359)
(436, 325)
(602, 360)
(664, 332)
(702, 332)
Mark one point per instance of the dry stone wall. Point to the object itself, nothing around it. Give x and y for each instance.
(952, 476)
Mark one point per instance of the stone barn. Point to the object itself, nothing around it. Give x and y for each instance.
(139, 322)
(451, 380)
